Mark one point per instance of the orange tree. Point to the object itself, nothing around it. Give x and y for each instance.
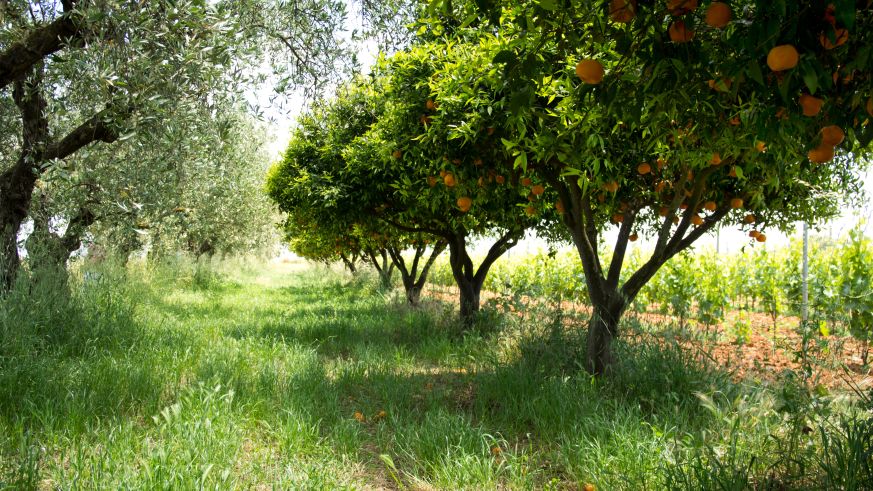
(329, 210)
(668, 118)
(435, 162)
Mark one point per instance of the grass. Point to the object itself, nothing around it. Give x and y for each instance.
(237, 375)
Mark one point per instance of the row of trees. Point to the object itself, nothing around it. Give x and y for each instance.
(124, 121)
(661, 118)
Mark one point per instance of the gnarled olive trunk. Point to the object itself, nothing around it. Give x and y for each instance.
(413, 280)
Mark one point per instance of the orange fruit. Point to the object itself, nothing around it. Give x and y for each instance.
(590, 71)
(679, 33)
(715, 160)
(722, 85)
(737, 203)
(464, 203)
(663, 162)
(525, 181)
(530, 210)
(718, 15)
(660, 186)
(633, 237)
(683, 206)
(840, 37)
(753, 233)
(821, 154)
(430, 105)
(500, 179)
(559, 206)
(644, 168)
(710, 206)
(811, 105)
(477, 162)
(495, 451)
(733, 172)
(431, 181)
(443, 173)
(681, 7)
(617, 218)
(696, 220)
(761, 237)
(622, 10)
(734, 121)
(760, 146)
(611, 186)
(490, 130)
(425, 120)
(750, 218)
(537, 190)
(832, 135)
(450, 180)
(397, 154)
(782, 57)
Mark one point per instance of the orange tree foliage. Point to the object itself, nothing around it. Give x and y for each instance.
(680, 132)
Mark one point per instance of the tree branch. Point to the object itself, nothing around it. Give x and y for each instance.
(19, 58)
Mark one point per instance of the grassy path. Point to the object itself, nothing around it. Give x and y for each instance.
(292, 378)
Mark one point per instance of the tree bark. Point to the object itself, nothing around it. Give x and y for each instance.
(413, 280)
(17, 183)
(19, 58)
(602, 330)
(469, 279)
(607, 296)
(385, 267)
(349, 263)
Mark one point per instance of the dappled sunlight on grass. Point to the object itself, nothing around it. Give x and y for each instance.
(302, 378)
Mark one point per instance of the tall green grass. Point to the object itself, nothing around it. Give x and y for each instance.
(236, 375)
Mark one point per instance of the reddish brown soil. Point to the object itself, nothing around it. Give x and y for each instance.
(835, 361)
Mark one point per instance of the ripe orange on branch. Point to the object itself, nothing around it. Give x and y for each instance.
(821, 154)
(644, 168)
(679, 32)
(737, 203)
(537, 190)
(622, 10)
(715, 160)
(681, 7)
(709, 206)
(811, 105)
(449, 180)
(718, 14)
(782, 57)
(590, 71)
(832, 135)
(464, 203)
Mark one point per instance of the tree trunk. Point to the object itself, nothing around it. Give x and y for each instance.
(469, 279)
(469, 301)
(349, 263)
(602, 329)
(413, 280)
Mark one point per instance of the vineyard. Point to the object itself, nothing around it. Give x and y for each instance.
(703, 287)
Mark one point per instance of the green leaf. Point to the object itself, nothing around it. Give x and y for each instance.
(549, 5)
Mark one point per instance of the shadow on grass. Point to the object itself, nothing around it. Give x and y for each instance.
(302, 360)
